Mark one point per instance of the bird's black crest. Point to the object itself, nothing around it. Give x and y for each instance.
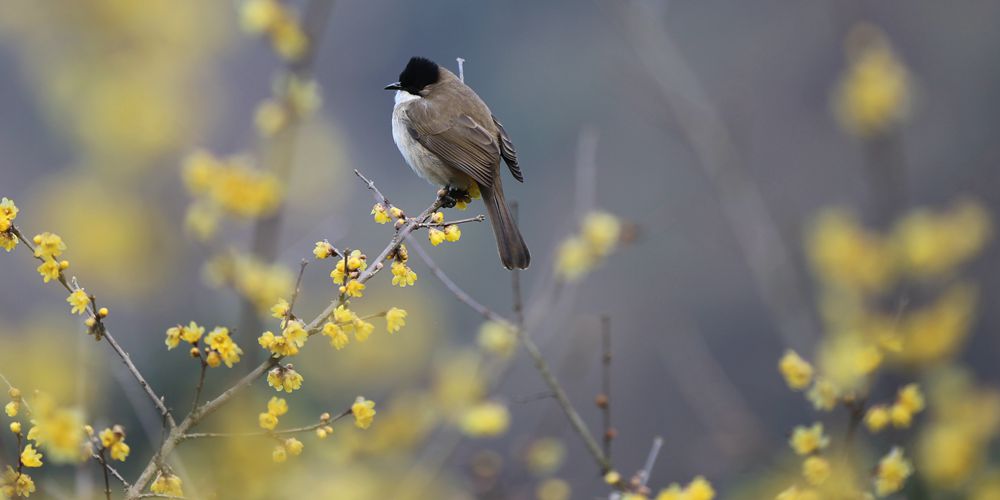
(419, 73)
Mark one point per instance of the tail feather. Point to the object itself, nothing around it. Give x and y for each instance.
(513, 252)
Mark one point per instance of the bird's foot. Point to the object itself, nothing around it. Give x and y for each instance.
(450, 196)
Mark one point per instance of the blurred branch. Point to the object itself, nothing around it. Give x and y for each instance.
(767, 256)
(604, 399)
(647, 468)
(295, 430)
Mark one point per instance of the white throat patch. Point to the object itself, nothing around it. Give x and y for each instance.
(404, 96)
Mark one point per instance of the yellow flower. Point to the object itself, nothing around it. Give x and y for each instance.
(798, 372)
(544, 456)
(120, 451)
(601, 231)
(289, 41)
(806, 440)
(816, 470)
(497, 338)
(295, 333)
(78, 300)
(284, 379)
(672, 492)
(58, 430)
(343, 315)
(280, 310)
(900, 415)
(362, 329)
(354, 288)
(437, 217)
(279, 454)
(911, 398)
(823, 395)
(192, 332)
(436, 236)
(553, 489)
(30, 457)
(612, 477)
(277, 406)
(167, 484)
(380, 213)
(49, 270)
(15, 427)
(294, 446)
(220, 342)
(48, 245)
(12, 408)
(574, 259)
(338, 339)
(877, 418)
(699, 489)
(874, 92)
(8, 241)
(303, 95)
(402, 275)
(892, 472)
(267, 421)
(452, 233)
(485, 419)
(8, 212)
(324, 250)
(844, 254)
(270, 117)
(395, 319)
(14, 483)
(364, 412)
(113, 439)
(258, 16)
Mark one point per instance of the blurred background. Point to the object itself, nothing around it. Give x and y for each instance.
(720, 132)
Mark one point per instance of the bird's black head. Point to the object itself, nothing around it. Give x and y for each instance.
(419, 73)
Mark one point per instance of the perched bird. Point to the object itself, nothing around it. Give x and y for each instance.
(450, 138)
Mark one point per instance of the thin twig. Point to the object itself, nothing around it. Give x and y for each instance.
(295, 430)
(104, 468)
(201, 383)
(478, 218)
(157, 400)
(647, 469)
(298, 287)
(604, 400)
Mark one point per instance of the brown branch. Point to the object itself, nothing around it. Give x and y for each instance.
(107, 482)
(604, 399)
(201, 383)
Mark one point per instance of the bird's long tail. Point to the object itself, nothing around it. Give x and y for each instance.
(513, 252)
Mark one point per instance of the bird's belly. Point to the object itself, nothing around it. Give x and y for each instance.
(425, 163)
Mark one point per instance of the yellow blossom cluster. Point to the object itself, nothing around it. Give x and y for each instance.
(294, 99)
(260, 283)
(113, 440)
(450, 233)
(8, 212)
(220, 348)
(276, 407)
(345, 321)
(167, 483)
(875, 92)
(893, 470)
(599, 235)
(57, 430)
(698, 489)
(402, 275)
(231, 185)
(274, 19)
(191, 334)
(16, 484)
(347, 271)
(288, 343)
(909, 402)
(290, 446)
(284, 378)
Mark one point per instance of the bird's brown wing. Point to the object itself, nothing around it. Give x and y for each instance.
(460, 141)
(508, 152)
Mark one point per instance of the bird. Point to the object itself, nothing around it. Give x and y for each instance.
(450, 138)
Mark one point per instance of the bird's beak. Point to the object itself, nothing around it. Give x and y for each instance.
(394, 86)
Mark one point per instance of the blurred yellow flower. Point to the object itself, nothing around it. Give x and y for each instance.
(798, 372)
(816, 470)
(875, 92)
(893, 470)
(14, 483)
(601, 231)
(877, 418)
(847, 256)
(823, 395)
(395, 319)
(573, 259)
(806, 440)
(486, 419)
(497, 339)
(167, 484)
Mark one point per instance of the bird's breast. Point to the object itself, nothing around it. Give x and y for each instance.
(424, 163)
